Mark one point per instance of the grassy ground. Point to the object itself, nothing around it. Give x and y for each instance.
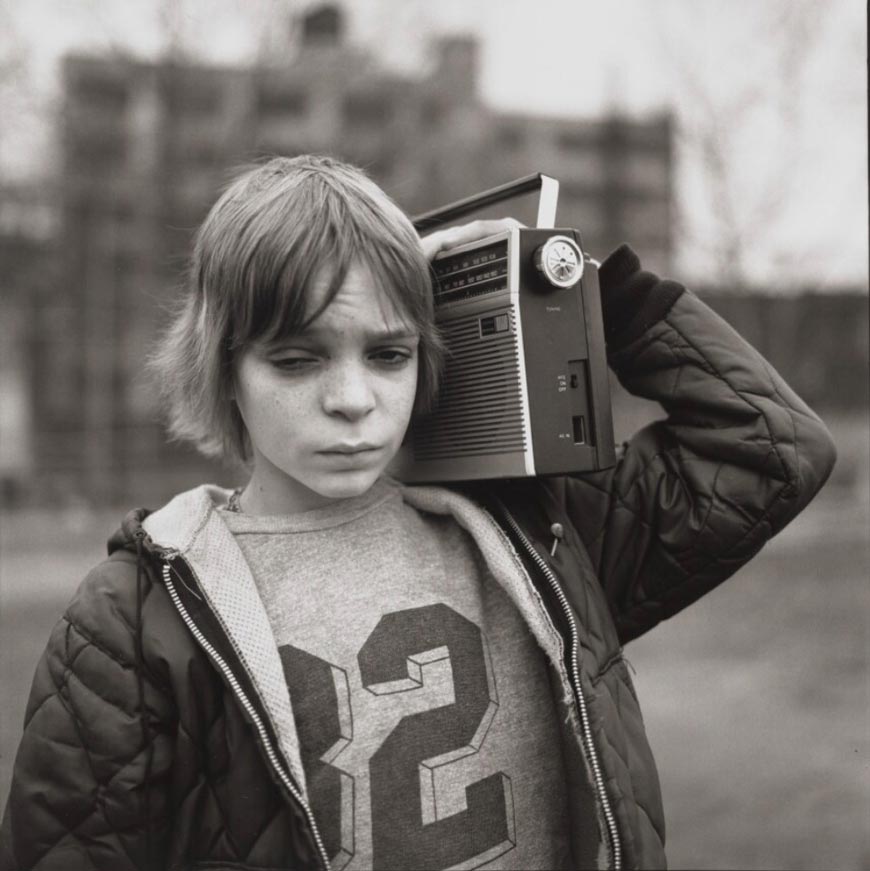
(756, 702)
(756, 699)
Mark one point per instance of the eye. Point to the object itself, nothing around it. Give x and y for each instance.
(294, 363)
(393, 357)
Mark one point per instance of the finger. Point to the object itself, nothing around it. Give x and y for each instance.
(479, 230)
(452, 237)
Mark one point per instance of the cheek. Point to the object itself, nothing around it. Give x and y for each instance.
(266, 406)
(406, 392)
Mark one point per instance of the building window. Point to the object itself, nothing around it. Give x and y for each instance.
(98, 153)
(367, 109)
(109, 95)
(278, 99)
(575, 140)
(193, 97)
(197, 142)
(582, 172)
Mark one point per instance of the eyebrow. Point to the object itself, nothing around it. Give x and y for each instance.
(389, 335)
(313, 334)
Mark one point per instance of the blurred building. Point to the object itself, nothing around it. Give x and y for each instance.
(147, 145)
(28, 274)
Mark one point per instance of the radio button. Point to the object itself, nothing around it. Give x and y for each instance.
(560, 261)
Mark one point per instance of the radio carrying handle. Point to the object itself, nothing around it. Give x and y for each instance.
(546, 219)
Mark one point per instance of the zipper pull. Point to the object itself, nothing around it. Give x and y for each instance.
(167, 566)
(558, 534)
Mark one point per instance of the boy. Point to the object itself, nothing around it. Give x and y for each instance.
(328, 669)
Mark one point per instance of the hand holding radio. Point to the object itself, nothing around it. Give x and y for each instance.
(451, 237)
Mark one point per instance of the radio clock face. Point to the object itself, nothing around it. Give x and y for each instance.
(560, 261)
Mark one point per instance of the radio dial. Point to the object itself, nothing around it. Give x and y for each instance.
(560, 261)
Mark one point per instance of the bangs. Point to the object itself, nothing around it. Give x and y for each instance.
(306, 244)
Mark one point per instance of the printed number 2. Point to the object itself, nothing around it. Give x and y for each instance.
(407, 830)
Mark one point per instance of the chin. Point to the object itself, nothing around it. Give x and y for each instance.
(346, 485)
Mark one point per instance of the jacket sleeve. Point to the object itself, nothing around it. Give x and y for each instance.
(697, 494)
(89, 780)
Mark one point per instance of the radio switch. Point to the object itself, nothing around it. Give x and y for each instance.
(560, 261)
(494, 324)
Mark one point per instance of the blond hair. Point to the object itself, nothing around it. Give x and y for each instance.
(275, 231)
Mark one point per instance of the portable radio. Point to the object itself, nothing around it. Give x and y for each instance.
(525, 388)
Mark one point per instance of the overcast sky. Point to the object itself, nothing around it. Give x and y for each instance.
(780, 95)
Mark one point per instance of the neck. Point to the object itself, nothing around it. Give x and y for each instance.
(260, 496)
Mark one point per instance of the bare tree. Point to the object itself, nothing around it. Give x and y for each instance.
(170, 15)
(16, 97)
(739, 98)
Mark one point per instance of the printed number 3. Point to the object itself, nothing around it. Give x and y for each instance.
(407, 831)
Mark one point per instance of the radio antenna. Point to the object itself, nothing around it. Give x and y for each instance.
(546, 219)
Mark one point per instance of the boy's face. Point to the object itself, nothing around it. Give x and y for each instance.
(326, 411)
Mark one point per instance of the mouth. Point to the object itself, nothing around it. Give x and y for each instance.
(350, 449)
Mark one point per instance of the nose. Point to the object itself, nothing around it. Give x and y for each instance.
(347, 392)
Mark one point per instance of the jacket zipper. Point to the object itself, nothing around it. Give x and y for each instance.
(610, 819)
(221, 664)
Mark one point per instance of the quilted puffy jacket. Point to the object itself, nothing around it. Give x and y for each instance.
(149, 739)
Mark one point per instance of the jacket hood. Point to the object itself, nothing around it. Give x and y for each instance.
(185, 506)
(125, 537)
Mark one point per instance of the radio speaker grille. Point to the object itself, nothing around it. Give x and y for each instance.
(480, 408)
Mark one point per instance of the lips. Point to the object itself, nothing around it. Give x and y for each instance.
(350, 449)
(351, 458)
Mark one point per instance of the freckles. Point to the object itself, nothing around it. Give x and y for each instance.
(289, 401)
(400, 398)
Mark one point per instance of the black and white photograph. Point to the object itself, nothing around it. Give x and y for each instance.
(434, 434)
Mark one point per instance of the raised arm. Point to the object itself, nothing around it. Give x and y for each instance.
(696, 495)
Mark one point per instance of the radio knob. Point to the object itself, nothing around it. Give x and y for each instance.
(560, 261)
